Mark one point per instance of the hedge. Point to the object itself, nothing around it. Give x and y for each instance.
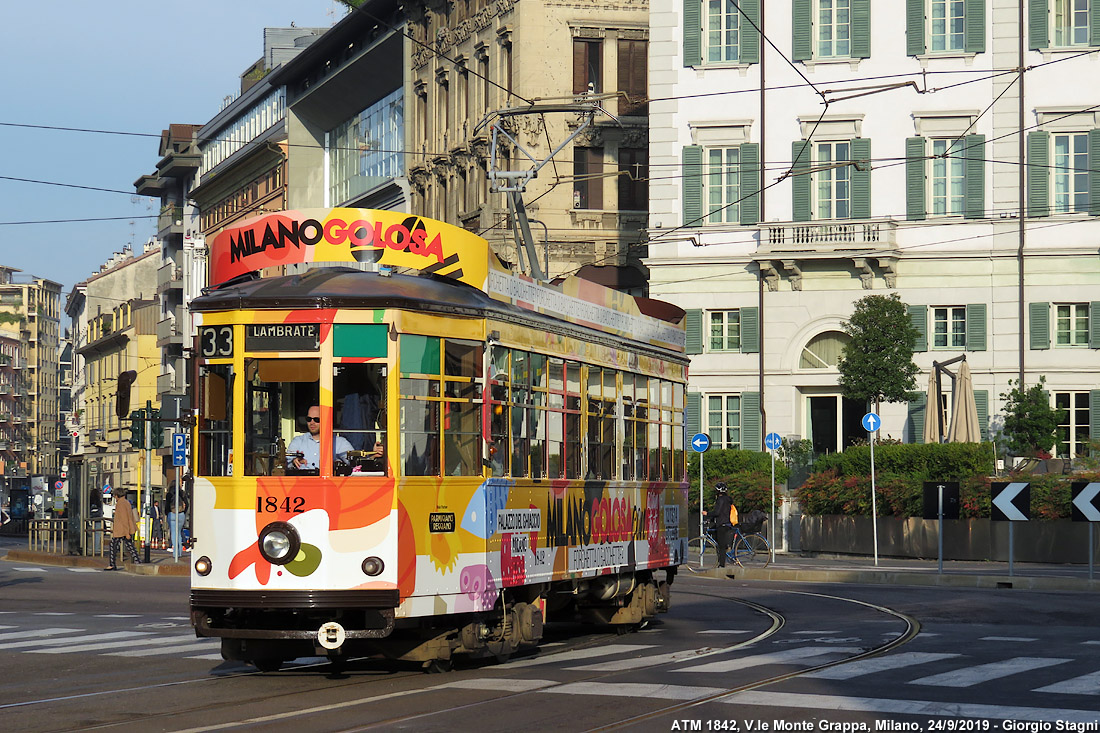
(747, 473)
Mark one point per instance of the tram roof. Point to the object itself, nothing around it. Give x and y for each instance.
(345, 287)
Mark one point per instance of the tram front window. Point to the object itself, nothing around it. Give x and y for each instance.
(215, 454)
(359, 393)
(279, 396)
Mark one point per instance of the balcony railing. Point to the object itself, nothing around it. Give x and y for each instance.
(170, 220)
(168, 333)
(169, 275)
(829, 236)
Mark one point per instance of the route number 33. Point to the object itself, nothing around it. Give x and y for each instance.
(216, 342)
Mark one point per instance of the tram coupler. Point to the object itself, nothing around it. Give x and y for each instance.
(331, 635)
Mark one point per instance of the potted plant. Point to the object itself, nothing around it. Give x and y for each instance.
(1030, 423)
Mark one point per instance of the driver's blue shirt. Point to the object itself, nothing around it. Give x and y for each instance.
(310, 448)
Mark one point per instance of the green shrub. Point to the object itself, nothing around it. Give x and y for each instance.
(747, 473)
(924, 461)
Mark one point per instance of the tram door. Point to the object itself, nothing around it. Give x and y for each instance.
(834, 422)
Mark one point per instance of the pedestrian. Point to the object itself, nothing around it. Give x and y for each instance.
(158, 522)
(123, 528)
(725, 516)
(177, 508)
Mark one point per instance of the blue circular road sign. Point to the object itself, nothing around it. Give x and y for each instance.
(871, 422)
(700, 442)
(772, 441)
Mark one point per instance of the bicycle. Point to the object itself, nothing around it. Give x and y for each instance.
(748, 550)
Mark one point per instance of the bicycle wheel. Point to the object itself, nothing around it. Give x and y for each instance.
(696, 561)
(752, 551)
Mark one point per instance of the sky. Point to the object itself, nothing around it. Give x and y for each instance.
(125, 66)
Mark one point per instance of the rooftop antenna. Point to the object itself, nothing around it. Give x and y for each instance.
(513, 183)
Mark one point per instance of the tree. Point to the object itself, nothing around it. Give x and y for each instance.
(877, 364)
(1030, 422)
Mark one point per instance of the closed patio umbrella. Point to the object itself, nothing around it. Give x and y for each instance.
(964, 414)
(932, 411)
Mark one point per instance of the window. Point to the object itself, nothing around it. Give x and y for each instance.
(633, 63)
(949, 327)
(722, 185)
(823, 351)
(587, 65)
(1073, 430)
(1071, 172)
(215, 416)
(1072, 324)
(365, 151)
(1071, 22)
(280, 397)
(725, 330)
(723, 420)
(723, 24)
(587, 178)
(947, 179)
(834, 28)
(633, 179)
(832, 190)
(946, 29)
(359, 393)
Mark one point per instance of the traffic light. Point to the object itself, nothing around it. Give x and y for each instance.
(122, 396)
(156, 429)
(137, 428)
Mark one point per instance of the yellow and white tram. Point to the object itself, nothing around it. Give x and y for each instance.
(425, 465)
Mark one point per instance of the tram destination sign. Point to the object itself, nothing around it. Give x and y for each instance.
(282, 337)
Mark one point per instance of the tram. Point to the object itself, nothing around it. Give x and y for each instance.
(429, 459)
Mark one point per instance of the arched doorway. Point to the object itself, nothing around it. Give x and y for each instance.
(832, 420)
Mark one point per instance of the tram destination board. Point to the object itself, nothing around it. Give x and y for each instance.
(282, 337)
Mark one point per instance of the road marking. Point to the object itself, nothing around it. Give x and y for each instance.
(118, 615)
(30, 570)
(636, 689)
(27, 633)
(5, 626)
(1094, 641)
(953, 710)
(176, 618)
(84, 570)
(970, 676)
(726, 631)
(70, 639)
(108, 645)
(603, 651)
(642, 662)
(1087, 684)
(500, 685)
(815, 633)
(878, 664)
(54, 613)
(785, 657)
(200, 646)
(211, 657)
(1012, 639)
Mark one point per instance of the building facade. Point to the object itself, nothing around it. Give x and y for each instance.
(815, 152)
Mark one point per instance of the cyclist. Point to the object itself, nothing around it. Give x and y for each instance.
(725, 516)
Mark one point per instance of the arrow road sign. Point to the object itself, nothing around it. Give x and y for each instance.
(871, 422)
(700, 442)
(1085, 507)
(1011, 502)
(772, 441)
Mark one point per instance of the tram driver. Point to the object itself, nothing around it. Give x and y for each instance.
(304, 452)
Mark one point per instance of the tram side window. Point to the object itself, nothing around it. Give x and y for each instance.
(215, 428)
(666, 430)
(278, 396)
(463, 366)
(537, 415)
(499, 402)
(359, 394)
(601, 423)
(640, 428)
(555, 418)
(421, 400)
(653, 431)
(678, 451)
(573, 420)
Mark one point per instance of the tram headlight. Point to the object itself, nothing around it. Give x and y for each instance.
(373, 566)
(279, 543)
(203, 566)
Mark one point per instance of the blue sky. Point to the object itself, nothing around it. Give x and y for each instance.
(132, 66)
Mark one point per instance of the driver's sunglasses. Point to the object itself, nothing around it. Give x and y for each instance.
(313, 419)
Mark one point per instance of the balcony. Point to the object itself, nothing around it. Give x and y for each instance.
(167, 333)
(170, 221)
(5, 444)
(5, 416)
(166, 383)
(169, 276)
(784, 247)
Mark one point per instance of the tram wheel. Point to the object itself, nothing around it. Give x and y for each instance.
(439, 666)
(267, 665)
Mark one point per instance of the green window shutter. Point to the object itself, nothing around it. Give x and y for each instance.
(975, 326)
(861, 179)
(1094, 415)
(750, 183)
(750, 421)
(1094, 23)
(802, 48)
(914, 27)
(981, 401)
(974, 26)
(750, 330)
(693, 326)
(800, 184)
(1038, 176)
(974, 206)
(693, 33)
(749, 49)
(1094, 325)
(1037, 35)
(1094, 162)
(915, 421)
(861, 29)
(1039, 322)
(918, 316)
(693, 416)
(915, 164)
(693, 185)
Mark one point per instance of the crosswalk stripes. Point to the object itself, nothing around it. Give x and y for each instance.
(970, 676)
(877, 664)
(787, 656)
(23, 635)
(618, 665)
(70, 639)
(579, 654)
(198, 646)
(1086, 684)
(80, 648)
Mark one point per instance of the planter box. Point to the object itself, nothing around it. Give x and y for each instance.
(1058, 541)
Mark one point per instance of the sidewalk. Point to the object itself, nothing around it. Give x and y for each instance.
(906, 571)
(160, 562)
